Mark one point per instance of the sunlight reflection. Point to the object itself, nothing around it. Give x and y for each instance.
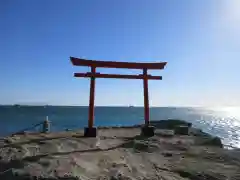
(231, 10)
(233, 112)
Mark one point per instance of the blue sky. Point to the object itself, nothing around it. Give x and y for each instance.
(199, 39)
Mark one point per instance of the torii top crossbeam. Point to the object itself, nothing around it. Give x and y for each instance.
(113, 64)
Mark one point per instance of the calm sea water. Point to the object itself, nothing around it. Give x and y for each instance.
(223, 122)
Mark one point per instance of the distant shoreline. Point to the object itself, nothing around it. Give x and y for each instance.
(126, 106)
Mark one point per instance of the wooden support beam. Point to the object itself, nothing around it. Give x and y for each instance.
(119, 76)
(114, 64)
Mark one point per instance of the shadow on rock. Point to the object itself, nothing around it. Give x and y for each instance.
(196, 176)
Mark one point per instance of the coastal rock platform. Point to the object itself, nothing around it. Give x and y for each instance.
(117, 153)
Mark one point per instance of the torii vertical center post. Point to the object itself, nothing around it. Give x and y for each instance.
(91, 131)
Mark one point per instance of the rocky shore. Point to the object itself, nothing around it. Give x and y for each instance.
(119, 153)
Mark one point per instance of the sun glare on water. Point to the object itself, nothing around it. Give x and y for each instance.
(233, 111)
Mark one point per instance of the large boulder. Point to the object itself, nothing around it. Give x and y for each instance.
(181, 130)
(170, 124)
(209, 141)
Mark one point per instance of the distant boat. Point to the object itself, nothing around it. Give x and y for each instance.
(17, 105)
(131, 106)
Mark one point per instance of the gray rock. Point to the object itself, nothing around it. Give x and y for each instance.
(170, 124)
(181, 130)
(213, 141)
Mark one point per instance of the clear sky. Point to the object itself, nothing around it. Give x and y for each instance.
(200, 40)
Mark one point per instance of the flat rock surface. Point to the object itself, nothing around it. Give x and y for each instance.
(117, 153)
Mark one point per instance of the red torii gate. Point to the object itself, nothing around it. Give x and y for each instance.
(90, 131)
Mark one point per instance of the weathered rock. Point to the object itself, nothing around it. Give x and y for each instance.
(170, 124)
(164, 132)
(51, 156)
(167, 154)
(198, 132)
(212, 141)
(181, 130)
(196, 176)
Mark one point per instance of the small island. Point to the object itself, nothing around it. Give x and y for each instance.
(177, 151)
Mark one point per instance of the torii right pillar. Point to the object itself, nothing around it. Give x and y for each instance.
(147, 130)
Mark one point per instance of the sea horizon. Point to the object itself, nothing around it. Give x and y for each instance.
(130, 105)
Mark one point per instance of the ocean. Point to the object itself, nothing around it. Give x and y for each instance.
(222, 122)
